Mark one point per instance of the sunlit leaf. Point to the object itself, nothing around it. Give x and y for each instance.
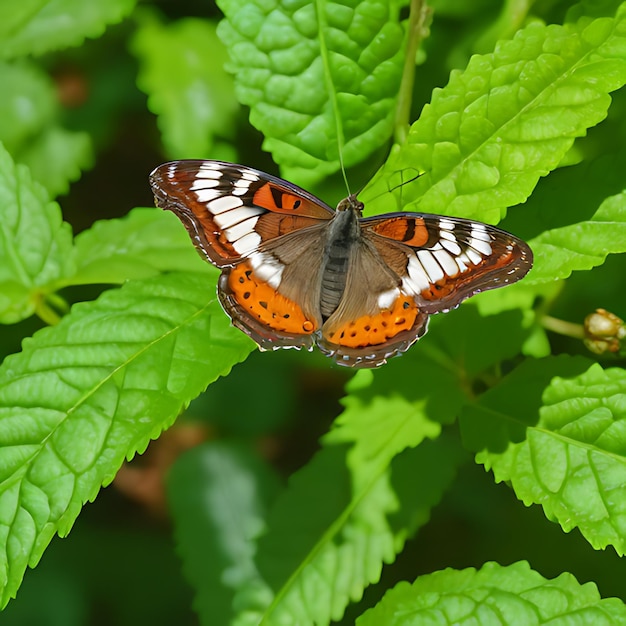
(316, 76)
(35, 243)
(139, 245)
(92, 391)
(493, 595)
(487, 137)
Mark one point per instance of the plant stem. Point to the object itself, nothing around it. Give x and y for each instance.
(418, 17)
(49, 306)
(562, 327)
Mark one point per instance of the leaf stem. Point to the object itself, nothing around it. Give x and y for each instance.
(419, 14)
(320, 8)
(569, 329)
(50, 308)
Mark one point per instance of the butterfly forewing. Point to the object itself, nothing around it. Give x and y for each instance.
(448, 259)
(230, 210)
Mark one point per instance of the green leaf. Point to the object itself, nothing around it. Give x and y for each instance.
(572, 226)
(328, 539)
(506, 120)
(493, 595)
(317, 77)
(139, 245)
(351, 509)
(38, 26)
(30, 130)
(35, 243)
(92, 391)
(182, 71)
(572, 457)
(581, 246)
(28, 103)
(219, 493)
(506, 411)
(57, 157)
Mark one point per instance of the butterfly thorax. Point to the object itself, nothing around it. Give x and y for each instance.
(343, 234)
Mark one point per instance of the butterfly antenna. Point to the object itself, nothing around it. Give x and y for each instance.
(405, 182)
(340, 152)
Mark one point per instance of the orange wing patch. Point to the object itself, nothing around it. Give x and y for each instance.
(265, 304)
(409, 230)
(276, 200)
(372, 330)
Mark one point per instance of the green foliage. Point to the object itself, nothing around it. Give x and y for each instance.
(36, 245)
(572, 459)
(140, 245)
(38, 26)
(508, 118)
(316, 75)
(182, 71)
(30, 128)
(528, 129)
(235, 489)
(493, 595)
(65, 387)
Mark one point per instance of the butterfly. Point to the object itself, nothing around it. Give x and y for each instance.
(296, 273)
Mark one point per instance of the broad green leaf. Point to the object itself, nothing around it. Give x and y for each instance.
(572, 457)
(494, 595)
(57, 157)
(581, 246)
(139, 245)
(505, 412)
(506, 120)
(182, 72)
(351, 509)
(28, 103)
(92, 391)
(317, 76)
(219, 494)
(572, 226)
(39, 26)
(35, 243)
(30, 130)
(331, 532)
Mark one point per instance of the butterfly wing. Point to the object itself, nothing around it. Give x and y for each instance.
(374, 319)
(408, 266)
(230, 210)
(446, 260)
(263, 232)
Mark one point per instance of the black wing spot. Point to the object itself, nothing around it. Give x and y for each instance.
(277, 194)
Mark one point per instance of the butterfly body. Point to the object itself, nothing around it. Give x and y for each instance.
(296, 273)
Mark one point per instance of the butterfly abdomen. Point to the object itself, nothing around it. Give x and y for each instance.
(342, 234)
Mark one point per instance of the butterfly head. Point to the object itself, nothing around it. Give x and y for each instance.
(351, 204)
